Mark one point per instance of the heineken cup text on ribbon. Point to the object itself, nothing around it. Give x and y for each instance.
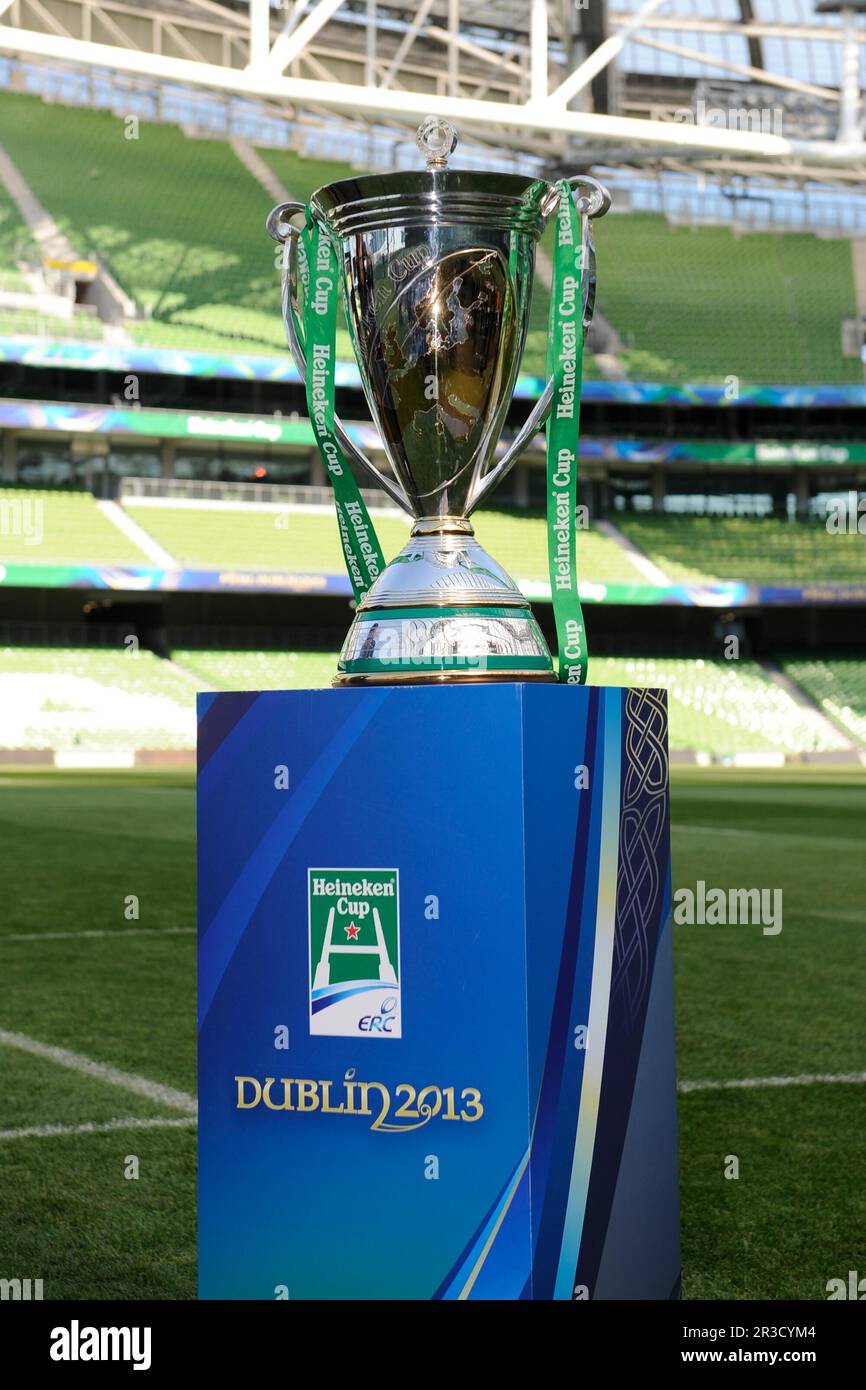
(361, 550)
(564, 367)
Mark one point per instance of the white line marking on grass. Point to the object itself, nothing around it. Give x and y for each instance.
(118, 932)
(106, 1127)
(102, 1071)
(763, 834)
(754, 1083)
(717, 829)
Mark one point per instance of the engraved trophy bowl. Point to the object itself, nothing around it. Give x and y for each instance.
(437, 268)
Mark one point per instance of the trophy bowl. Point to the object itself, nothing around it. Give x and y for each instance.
(437, 270)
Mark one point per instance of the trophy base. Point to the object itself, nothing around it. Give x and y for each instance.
(443, 611)
(437, 643)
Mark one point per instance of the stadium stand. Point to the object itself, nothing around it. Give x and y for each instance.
(258, 670)
(723, 708)
(203, 273)
(16, 246)
(759, 550)
(56, 527)
(93, 698)
(837, 684)
(65, 527)
(256, 537)
(770, 303)
(716, 707)
(307, 540)
(30, 323)
(301, 176)
(20, 311)
(104, 699)
(198, 263)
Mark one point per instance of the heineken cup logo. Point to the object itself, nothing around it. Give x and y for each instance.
(354, 935)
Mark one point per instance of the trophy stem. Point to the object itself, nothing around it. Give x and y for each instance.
(442, 526)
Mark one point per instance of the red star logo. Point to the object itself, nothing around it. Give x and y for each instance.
(352, 931)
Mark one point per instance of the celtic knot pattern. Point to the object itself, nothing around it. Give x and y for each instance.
(642, 846)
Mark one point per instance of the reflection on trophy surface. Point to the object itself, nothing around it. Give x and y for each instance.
(437, 270)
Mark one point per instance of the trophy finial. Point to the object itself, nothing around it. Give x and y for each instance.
(436, 139)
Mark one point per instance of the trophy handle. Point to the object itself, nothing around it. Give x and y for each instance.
(594, 202)
(284, 231)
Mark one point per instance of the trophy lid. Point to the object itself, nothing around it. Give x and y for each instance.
(435, 195)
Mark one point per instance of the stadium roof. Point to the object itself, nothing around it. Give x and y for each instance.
(715, 86)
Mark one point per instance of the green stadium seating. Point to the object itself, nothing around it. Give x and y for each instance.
(757, 550)
(93, 699)
(301, 539)
(520, 544)
(29, 323)
(723, 707)
(59, 528)
(18, 249)
(15, 245)
(837, 684)
(181, 223)
(301, 176)
(105, 699)
(702, 304)
(258, 670)
(717, 707)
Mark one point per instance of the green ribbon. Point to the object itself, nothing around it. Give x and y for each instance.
(319, 277)
(565, 365)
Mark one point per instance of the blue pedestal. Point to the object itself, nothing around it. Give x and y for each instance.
(435, 1005)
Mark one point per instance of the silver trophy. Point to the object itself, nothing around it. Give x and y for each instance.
(437, 272)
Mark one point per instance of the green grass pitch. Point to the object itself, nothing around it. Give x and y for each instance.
(77, 845)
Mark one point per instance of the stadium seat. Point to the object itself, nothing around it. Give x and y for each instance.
(837, 684)
(93, 699)
(16, 245)
(300, 539)
(258, 670)
(757, 550)
(717, 707)
(98, 698)
(197, 261)
(723, 707)
(54, 527)
(700, 304)
(202, 271)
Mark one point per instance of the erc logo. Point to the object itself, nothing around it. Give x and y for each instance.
(354, 930)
